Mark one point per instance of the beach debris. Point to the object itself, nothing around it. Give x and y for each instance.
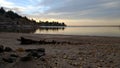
(8, 49)
(26, 41)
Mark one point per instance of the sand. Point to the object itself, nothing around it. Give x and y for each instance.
(89, 52)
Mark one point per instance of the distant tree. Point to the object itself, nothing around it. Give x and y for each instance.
(2, 11)
(12, 15)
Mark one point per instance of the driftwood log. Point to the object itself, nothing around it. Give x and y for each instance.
(25, 41)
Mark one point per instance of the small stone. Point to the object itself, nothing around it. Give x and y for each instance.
(80, 58)
(76, 64)
(30, 50)
(40, 50)
(38, 63)
(36, 54)
(81, 67)
(42, 59)
(14, 55)
(111, 61)
(65, 56)
(10, 59)
(1, 48)
(8, 49)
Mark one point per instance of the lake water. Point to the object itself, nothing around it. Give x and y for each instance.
(90, 31)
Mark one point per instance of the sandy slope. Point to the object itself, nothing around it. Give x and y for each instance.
(91, 52)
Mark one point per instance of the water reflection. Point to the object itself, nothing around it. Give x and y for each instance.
(31, 30)
(91, 31)
(51, 28)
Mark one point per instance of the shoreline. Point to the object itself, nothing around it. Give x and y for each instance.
(61, 35)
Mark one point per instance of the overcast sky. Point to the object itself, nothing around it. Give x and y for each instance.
(72, 12)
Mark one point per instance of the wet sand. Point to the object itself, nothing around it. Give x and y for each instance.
(85, 52)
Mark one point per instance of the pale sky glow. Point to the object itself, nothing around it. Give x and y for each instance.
(72, 12)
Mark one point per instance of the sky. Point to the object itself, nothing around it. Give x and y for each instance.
(72, 12)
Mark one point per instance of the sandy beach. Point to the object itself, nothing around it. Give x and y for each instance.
(85, 52)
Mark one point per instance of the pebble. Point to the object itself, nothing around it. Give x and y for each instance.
(7, 49)
(65, 56)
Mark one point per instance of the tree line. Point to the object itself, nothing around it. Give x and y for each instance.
(13, 18)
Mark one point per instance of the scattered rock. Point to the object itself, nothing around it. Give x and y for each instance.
(9, 59)
(111, 61)
(14, 55)
(30, 50)
(8, 49)
(65, 56)
(42, 59)
(41, 50)
(74, 63)
(36, 54)
(1, 48)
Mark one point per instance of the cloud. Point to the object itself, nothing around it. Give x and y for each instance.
(23, 7)
(86, 7)
(6, 3)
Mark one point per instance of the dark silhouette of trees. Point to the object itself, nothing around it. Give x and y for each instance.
(2, 11)
(47, 23)
(14, 19)
(12, 15)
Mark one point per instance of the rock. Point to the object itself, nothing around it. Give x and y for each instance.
(14, 55)
(41, 54)
(20, 50)
(9, 59)
(26, 58)
(42, 59)
(30, 50)
(80, 58)
(111, 61)
(8, 49)
(76, 64)
(36, 54)
(1, 48)
(41, 50)
(65, 57)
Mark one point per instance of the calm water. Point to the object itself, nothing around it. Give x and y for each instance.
(91, 31)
